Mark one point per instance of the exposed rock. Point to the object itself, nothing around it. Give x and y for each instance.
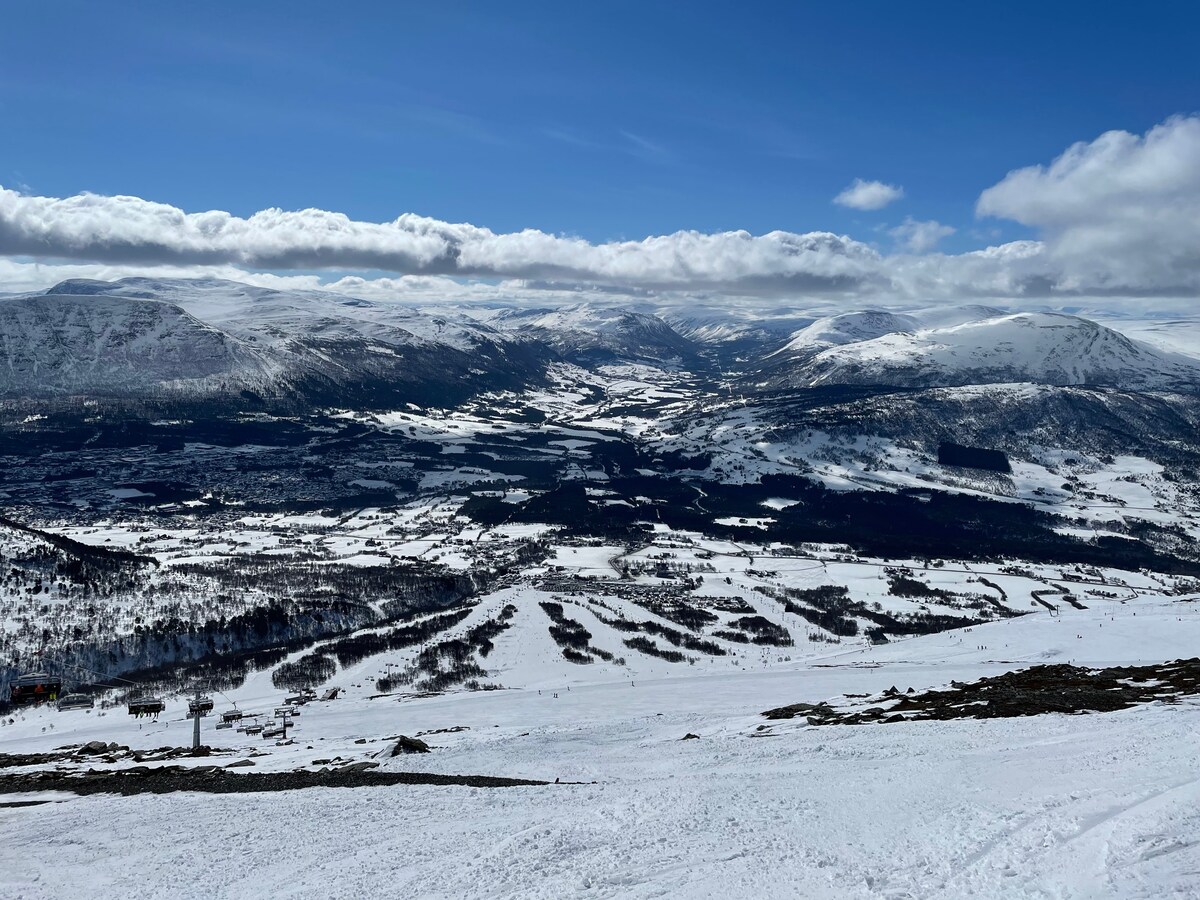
(796, 709)
(169, 779)
(1027, 692)
(405, 744)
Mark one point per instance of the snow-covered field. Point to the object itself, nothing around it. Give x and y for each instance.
(1046, 806)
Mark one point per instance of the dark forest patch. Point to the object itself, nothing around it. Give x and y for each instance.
(951, 454)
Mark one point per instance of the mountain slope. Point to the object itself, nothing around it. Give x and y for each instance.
(282, 316)
(1042, 348)
(594, 332)
(847, 328)
(207, 338)
(68, 343)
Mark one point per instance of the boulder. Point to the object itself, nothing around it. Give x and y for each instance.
(405, 744)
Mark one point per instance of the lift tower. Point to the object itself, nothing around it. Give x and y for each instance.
(198, 707)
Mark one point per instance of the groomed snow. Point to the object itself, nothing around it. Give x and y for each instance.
(1047, 806)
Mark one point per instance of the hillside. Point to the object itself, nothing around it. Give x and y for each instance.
(206, 339)
(1039, 348)
(105, 346)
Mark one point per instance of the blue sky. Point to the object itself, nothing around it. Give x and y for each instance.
(614, 120)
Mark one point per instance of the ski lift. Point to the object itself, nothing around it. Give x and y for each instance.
(305, 695)
(146, 706)
(230, 716)
(76, 701)
(36, 687)
(200, 706)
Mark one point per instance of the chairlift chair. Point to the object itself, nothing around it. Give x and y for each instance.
(76, 701)
(34, 688)
(146, 706)
(200, 706)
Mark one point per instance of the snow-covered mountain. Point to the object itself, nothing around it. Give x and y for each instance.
(67, 343)
(206, 337)
(847, 328)
(143, 337)
(146, 338)
(281, 317)
(724, 326)
(1042, 348)
(593, 331)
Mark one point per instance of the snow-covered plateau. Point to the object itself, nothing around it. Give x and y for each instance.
(601, 602)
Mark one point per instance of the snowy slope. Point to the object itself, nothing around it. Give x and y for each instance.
(69, 343)
(590, 329)
(1098, 805)
(727, 325)
(1044, 348)
(948, 316)
(280, 316)
(847, 328)
(141, 336)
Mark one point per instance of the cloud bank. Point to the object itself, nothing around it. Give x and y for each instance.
(129, 230)
(1119, 216)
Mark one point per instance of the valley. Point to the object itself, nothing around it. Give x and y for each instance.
(609, 536)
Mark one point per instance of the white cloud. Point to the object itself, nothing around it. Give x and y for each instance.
(919, 237)
(1118, 217)
(868, 195)
(1121, 213)
(129, 230)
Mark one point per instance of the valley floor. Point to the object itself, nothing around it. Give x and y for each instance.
(1043, 806)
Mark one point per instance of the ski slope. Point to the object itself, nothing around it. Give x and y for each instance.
(1046, 806)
